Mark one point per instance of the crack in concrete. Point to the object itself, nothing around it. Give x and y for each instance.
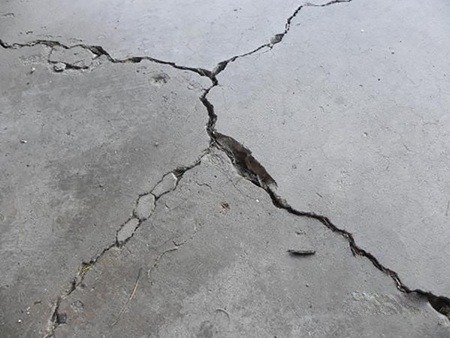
(277, 38)
(58, 318)
(243, 160)
(250, 168)
(97, 51)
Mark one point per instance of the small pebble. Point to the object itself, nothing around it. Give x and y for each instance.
(23, 141)
(59, 67)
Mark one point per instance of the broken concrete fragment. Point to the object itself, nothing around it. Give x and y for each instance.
(77, 57)
(168, 183)
(59, 67)
(127, 230)
(145, 206)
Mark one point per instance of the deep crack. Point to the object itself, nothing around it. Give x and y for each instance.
(252, 170)
(241, 157)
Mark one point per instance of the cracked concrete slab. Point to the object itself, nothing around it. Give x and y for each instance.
(195, 33)
(212, 261)
(77, 149)
(349, 115)
(122, 216)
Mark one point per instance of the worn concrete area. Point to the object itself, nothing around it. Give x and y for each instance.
(224, 169)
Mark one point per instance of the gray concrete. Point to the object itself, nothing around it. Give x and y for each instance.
(192, 33)
(120, 218)
(350, 115)
(213, 263)
(77, 149)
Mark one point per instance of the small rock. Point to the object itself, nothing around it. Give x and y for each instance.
(23, 141)
(59, 67)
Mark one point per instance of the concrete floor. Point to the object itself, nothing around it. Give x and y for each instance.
(159, 160)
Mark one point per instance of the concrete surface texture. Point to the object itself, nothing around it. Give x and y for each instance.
(160, 160)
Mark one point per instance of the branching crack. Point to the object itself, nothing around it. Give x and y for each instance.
(241, 157)
(58, 318)
(249, 168)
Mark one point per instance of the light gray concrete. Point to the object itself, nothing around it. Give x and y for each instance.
(350, 115)
(192, 33)
(120, 218)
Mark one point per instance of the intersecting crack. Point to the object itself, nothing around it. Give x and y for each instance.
(252, 170)
(241, 157)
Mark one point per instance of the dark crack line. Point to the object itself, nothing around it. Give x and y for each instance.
(220, 67)
(241, 157)
(249, 168)
(58, 318)
(99, 51)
